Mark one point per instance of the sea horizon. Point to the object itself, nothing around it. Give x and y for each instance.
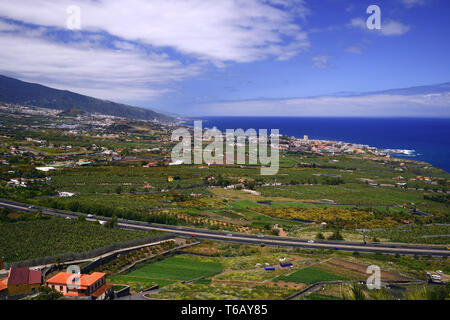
(427, 139)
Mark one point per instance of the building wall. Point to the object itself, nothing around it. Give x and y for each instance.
(58, 287)
(18, 289)
(63, 288)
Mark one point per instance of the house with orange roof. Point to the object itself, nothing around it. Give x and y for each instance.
(81, 285)
(3, 286)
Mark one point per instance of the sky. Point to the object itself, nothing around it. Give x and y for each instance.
(234, 57)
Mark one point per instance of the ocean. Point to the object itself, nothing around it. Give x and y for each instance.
(427, 139)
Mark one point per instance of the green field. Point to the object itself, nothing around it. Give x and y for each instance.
(310, 275)
(174, 269)
(39, 238)
(432, 234)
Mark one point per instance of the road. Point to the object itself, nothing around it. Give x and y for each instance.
(247, 238)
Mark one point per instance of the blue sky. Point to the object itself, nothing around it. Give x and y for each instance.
(234, 57)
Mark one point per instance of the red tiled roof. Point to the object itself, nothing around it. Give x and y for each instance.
(18, 276)
(23, 275)
(34, 277)
(104, 288)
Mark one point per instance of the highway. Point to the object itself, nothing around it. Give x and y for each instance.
(389, 248)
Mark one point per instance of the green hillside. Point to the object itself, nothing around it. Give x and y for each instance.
(31, 94)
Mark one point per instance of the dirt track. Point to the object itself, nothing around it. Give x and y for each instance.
(361, 268)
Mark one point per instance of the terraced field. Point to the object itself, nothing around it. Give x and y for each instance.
(311, 275)
(168, 271)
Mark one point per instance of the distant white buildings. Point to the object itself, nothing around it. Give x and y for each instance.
(176, 163)
(64, 194)
(45, 169)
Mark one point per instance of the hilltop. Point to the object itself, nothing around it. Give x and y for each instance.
(15, 91)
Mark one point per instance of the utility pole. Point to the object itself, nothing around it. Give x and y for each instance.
(364, 236)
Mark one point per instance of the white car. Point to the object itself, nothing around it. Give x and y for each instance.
(310, 241)
(435, 277)
(260, 236)
(439, 272)
(89, 215)
(229, 235)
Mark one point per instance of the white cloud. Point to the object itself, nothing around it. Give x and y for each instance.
(375, 105)
(388, 27)
(412, 3)
(85, 68)
(8, 27)
(358, 23)
(393, 28)
(355, 49)
(133, 49)
(322, 62)
(219, 30)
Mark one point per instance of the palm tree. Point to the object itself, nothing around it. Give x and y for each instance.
(355, 292)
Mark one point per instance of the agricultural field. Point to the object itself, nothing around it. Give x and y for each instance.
(310, 275)
(167, 271)
(122, 170)
(231, 271)
(326, 195)
(431, 234)
(36, 237)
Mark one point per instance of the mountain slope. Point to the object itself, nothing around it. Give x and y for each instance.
(30, 94)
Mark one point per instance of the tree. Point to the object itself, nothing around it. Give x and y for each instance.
(336, 235)
(111, 223)
(47, 293)
(320, 236)
(355, 292)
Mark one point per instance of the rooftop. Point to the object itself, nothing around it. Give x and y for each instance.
(86, 280)
(23, 275)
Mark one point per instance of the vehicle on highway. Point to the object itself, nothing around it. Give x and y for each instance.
(30, 207)
(89, 215)
(260, 236)
(193, 235)
(310, 241)
(179, 228)
(439, 272)
(435, 277)
(229, 235)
